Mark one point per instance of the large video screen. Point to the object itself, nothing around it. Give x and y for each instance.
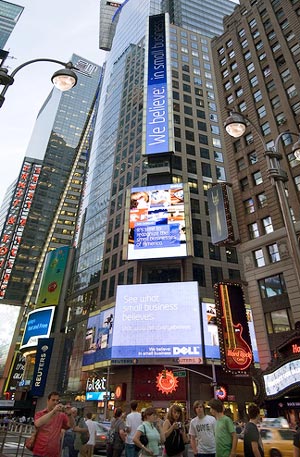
(98, 337)
(38, 325)
(157, 321)
(8, 319)
(158, 225)
(210, 331)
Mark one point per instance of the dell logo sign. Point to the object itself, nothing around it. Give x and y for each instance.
(188, 350)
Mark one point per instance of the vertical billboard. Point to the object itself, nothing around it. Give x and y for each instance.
(38, 325)
(16, 221)
(41, 366)
(219, 214)
(53, 276)
(157, 222)
(234, 336)
(157, 321)
(158, 134)
(211, 335)
(98, 337)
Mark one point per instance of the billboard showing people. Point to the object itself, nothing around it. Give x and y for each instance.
(158, 224)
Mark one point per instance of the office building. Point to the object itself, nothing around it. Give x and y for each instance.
(9, 15)
(257, 73)
(44, 207)
(117, 164)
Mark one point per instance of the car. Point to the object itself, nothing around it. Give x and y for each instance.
(100, 442)
(277, 442)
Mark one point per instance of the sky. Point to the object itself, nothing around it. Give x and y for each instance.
(55, 29)
(46, 29)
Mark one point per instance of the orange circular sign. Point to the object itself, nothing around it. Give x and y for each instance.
(166, 382)
(118, 392)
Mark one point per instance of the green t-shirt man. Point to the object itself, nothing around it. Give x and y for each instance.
(225, 434)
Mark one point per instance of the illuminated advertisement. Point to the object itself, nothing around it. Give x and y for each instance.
(220, 214)
(234, 336)
(8, 319)
(41, 366)
(158, 225)
(98, 337)
(158, 130)
(53, 276)
(38, 325)
(210, 331)
(16, 220)
(282, 379)
(157, 321)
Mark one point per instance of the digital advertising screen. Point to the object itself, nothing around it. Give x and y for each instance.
(148, 314)
(38, 325)
(158, 222)
(158, 134)
(282, 379)
(234, 335)
(98, 337)
(210, 331)
(53, 276)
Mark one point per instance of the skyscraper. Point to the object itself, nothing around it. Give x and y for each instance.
(43, 211)
(117, 164)
(257, 73)
(9, 16)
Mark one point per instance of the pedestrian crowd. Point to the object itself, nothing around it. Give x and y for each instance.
(60, 431)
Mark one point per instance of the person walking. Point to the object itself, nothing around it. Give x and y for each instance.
(115, 448)
(49, 423)
(253, 446)
(133, 420)
(174, 431)
(69, 439)
(92, 427)
(202, 432)
(225, 434)
(153, 435)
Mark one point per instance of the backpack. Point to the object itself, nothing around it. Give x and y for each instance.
(113, 433)
(174, 443)
(81, 437)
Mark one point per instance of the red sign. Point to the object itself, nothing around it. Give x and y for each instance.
(166, 382)
(235, 344)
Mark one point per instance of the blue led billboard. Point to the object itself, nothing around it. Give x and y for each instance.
(157, 321)
(38, 325)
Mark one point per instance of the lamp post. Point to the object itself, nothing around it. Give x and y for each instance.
(235, 125)
(62, 79)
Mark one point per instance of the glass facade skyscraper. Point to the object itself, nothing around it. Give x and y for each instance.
(9, 16)
(117, 164)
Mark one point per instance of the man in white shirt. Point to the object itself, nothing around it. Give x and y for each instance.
(92, 431)
(133, 420)
(202, 432)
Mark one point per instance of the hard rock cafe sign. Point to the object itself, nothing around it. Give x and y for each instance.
(166, 382)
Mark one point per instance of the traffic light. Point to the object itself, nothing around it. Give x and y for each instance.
(164, 373)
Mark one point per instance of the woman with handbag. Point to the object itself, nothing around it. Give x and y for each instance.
(148, 437)
(175, 433)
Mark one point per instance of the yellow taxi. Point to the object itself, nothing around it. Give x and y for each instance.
(277, 442)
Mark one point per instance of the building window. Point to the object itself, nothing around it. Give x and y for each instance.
(220, 172)
(206, 170)
(275, 101)
(267, 223)
(198, 248)
(257, 96)
(297, 182)
(214, 252)
(257, 178)
(252, 158)
(249, 206)
(261, 200)
(240, 164)
(262, 111)
(248, 139)
(253, 230)
(265, 128)
(278, 321)
(218, 156)
(244, 184)
(291, 91)
(273, 251)
(250, 67)
(285, 75)
(199, 274)
(259, 258)
(191, 166)
(254, 81)
(236, 78)
(204, 153)
(234, 275)
(216, 275)
(193, 185)
(231, 255)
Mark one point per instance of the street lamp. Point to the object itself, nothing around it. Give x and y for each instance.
(235, 125)
(62, 79)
